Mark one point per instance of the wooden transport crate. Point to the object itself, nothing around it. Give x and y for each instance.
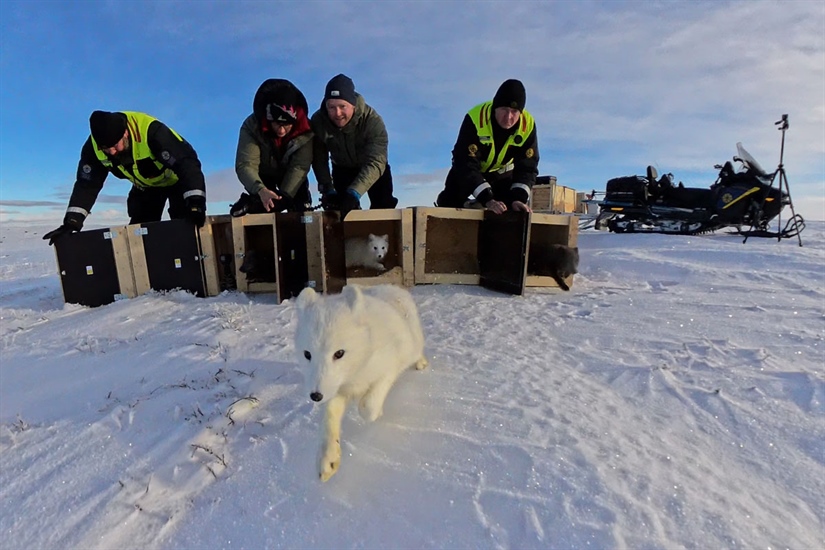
(398, 226)
(564, 199)
(255, 235)
(506, 252)
(166, 255)
(547, 230)
(446, 245)
(288, 252)
(542, 196)
(95, 267)
(458, 246)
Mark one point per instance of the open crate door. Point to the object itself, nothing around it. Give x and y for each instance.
(502, 251)
(94, 267)
(294, 249)
(310, 253)
(332, 269)
(166, 256)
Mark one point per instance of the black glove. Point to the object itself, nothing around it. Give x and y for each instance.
(72, 223)
(55, 234)
(331, 200)
(196, 210)
(349, 201)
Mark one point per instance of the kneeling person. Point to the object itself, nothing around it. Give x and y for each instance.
(496, 155)
(161, 165)
(353, 135)
(274, 152)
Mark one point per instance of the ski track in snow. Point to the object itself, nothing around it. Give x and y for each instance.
(675, 398)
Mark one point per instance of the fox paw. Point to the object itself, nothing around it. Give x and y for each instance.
(369, 409)
(330, 460)
(421, 364)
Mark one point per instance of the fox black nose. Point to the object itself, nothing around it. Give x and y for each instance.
(316, 396)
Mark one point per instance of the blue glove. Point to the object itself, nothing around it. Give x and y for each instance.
(351, 200)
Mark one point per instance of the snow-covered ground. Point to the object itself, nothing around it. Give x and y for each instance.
(675, 398)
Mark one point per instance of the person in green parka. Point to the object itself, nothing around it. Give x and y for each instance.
(274, 152)
(352, 135)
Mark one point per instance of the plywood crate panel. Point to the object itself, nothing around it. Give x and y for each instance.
(95, 267)
(564, 200)
(166, 255)
(446, 245)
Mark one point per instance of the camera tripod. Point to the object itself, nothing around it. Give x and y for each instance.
(795, 224)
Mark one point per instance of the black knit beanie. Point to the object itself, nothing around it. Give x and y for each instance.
(107, 128)
(510, 94)
(341, 87)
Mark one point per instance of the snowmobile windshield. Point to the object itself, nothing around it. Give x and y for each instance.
(748, 161)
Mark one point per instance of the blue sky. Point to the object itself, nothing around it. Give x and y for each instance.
(614, 86)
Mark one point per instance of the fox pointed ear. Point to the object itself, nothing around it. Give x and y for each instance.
(354, 297)
(307, 297)
(372, 236)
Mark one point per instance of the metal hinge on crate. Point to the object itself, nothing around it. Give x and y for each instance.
(306, 219)
(109, 235)
(141, 231)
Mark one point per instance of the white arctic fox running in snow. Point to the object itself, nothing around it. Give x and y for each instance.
(354, 346)
(366, 251)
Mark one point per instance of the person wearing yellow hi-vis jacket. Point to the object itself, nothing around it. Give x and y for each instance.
(161, 165)
(496, 155)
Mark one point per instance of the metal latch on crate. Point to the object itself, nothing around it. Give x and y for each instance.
(306, 219)
(141, 231)
(109, 235)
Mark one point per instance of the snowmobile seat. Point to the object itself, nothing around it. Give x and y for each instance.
(627, 190)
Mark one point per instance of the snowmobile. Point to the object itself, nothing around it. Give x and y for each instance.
(739, 198)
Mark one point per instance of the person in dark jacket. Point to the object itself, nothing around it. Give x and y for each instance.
(274, 151)
(161, 165)
(352, 134)
(496, 155)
